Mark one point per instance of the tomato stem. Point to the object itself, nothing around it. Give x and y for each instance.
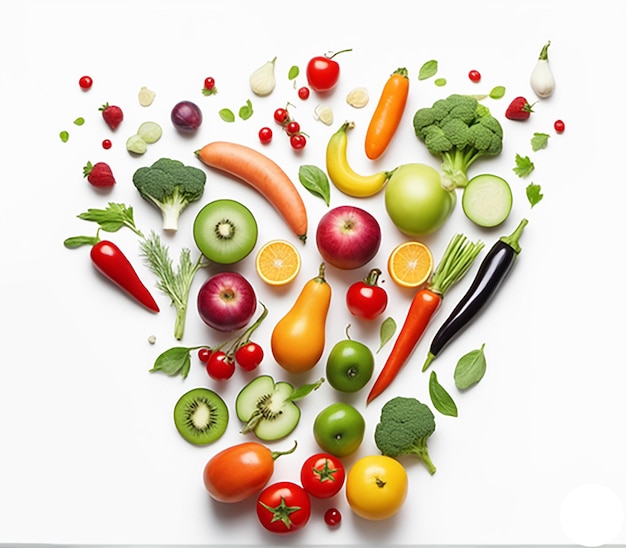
(276, 454)
(338, 52)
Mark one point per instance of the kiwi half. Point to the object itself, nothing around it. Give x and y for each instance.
(225, 231)
(201, 416)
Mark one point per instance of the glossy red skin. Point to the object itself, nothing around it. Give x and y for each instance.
(249, 356)
(294, 496)
(322, 73)
(366, 300)
(322, 475)
(219, 366)
(113, 264)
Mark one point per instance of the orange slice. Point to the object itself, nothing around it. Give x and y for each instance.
(278, 262)
(410, 264)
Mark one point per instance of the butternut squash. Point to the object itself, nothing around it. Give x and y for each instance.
(298, 339)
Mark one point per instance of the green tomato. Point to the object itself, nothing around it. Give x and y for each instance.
(415, 200)
(349, 366)
(339, 429)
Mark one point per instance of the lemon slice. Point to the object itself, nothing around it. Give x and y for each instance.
(278, 262)
(410, 264)
(358, 97)
(324, 114)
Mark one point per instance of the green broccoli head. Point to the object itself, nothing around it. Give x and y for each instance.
(171, 186)
(460, 130)
(404, 428)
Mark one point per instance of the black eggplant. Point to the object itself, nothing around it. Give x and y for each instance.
(492, 272)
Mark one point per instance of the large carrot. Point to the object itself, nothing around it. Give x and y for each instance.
(388, 113)
(456, 261)
(263, 174)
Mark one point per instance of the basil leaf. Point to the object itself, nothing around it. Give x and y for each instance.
(442, 401)
(64, 136)
(246, 110)
(79, 121)
(387, 330)
(497, 92)
(176, 360)
(315, 181)
(227, 115)
(470, 368)
(78, 241)
(428, 69)
(293, 72)
(112, 218)
(304, 390)
(440, 82)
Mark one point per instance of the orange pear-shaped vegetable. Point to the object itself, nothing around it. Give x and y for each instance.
(298, 339)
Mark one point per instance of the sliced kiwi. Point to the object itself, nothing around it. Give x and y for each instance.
(201, 416)
(268, 408)
(225, 231)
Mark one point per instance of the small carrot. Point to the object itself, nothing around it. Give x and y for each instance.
(388, 113)
(264, 175)
(456, 261)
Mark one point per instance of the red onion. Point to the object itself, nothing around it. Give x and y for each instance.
(186, 116)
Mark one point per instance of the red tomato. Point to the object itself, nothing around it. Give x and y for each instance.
(249, 356)
(322, 475)
(322, 72)
(365, 299)
(220, 366)
(283, 507)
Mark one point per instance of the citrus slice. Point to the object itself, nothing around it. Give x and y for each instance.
(410, 264)
(278, 262)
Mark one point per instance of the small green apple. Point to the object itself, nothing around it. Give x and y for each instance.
(339, 429)
(349, 366)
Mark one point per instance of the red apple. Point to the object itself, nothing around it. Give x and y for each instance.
(348, 237)
(226, 301)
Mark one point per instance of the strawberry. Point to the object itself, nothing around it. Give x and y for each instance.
(112, 115)
(519, 109)
(99, 174)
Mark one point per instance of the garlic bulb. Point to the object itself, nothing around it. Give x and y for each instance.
(263, 80)
(542, 79)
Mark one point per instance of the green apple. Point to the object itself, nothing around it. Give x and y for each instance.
(349, 366)
(339, 429)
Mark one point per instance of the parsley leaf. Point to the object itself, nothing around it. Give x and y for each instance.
(523, 166)
(533, 193)
(539, 141)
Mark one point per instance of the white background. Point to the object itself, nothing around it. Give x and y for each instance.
(89, 450)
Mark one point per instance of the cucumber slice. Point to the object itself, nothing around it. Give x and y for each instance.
(487, 200)
(150, 132)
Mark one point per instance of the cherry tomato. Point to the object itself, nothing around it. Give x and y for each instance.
(265, 135)
(283, 507)
(365, 299)
(249, 356)
(219, 366)
(297, 141)
(559, 126)
(281, 116)
(322, 475)
(474, 76)
(107, 144)
(292, 128)
(209, 83)
(204, 354)
(322, 72)
(332, 517)
(85, 82)
(304, 93)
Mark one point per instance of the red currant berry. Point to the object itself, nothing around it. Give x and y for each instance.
(220, 366)
(304, 93)
(107, 144)
(474, 76)
(209, 83)
(85, 82)
(297, 141)
(265, 135)
(559, 126)
(332, 517)
(292, 128)
(281, 116)
(204, 354)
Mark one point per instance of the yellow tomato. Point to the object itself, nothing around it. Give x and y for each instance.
(376, 487)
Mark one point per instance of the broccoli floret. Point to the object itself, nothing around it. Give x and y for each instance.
(171, 186)
(460, 130)
(404, 428)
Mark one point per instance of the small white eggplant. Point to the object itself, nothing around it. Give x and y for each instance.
(263, 79)
(542, 79)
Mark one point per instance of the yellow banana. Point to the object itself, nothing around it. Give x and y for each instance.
(342, 175)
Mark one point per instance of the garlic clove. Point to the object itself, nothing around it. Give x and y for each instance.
(263, 79)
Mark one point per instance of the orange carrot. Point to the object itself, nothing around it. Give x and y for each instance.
(264, 175)
(388, 113)
(456, 261)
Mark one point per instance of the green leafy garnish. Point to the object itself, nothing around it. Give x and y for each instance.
(246, 110)
(442, 400)
(227, 115)
(440, 82)
(294, 71)
(315, 181)
(428, 69)
(470, 368)
(387, 330)
(174, 361)
(304, 390)
(539, 141)
(79, 121)
(533, 193)
(523, 165)
(64, 136)
(112, 218)
(497, 92)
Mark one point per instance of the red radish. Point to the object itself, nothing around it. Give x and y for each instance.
(99, 174)
(112, 115)
(519, 109)
(226, 301)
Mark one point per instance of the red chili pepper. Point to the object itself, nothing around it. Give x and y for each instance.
(112, 263)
